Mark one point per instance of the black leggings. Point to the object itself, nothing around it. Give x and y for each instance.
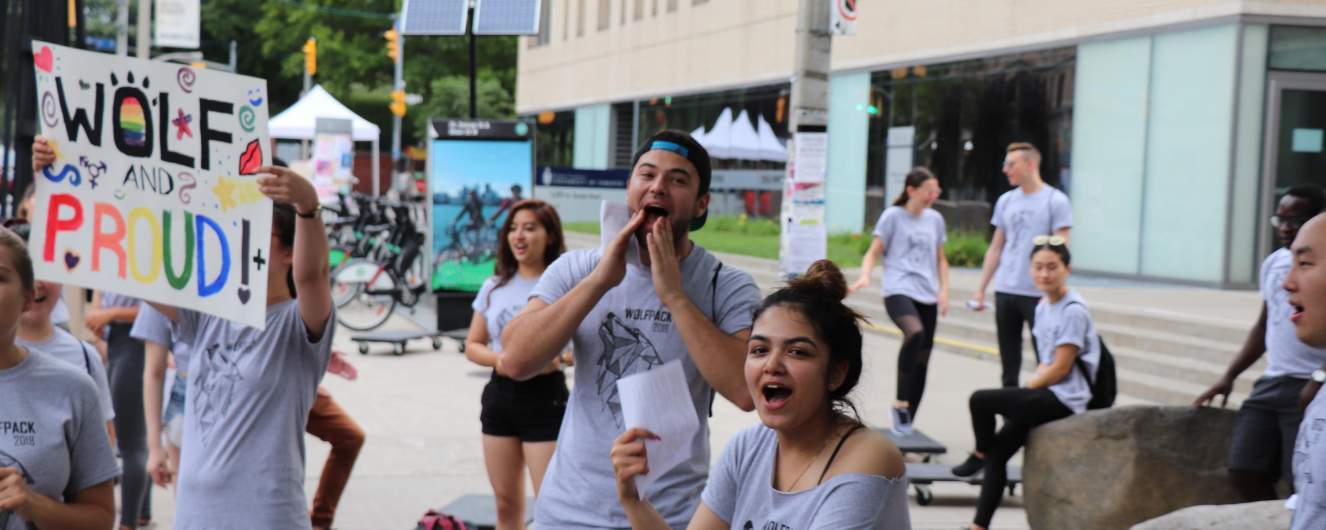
(126, 385)
(1022, 409)
(1011, 310)
(917, 322)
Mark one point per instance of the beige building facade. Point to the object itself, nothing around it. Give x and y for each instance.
(1172, 124)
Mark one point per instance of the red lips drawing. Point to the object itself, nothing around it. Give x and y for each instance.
(251, 160)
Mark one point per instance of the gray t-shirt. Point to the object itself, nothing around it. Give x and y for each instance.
(151, 325)
(631, 331)
(52, 431)
(1309, 467)
(249, 394)
(64, 346)
(499, 305)
(911, 251)
(1023, 217)
(1285, 354)
(741, 493)
(109, 300)
(1068, 322)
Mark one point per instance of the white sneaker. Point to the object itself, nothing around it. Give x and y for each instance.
(902, 421)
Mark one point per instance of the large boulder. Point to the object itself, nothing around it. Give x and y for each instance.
(1268, 515)
(1114, 468)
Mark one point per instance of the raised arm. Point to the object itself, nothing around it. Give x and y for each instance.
(720, 357)
(532, 339)
(310, 268)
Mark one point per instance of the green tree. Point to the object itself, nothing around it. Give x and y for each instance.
(449, 97)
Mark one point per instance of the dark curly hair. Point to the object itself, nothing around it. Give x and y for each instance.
(818, 295)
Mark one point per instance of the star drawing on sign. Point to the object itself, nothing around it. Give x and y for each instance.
(182, 125)
(225, 192)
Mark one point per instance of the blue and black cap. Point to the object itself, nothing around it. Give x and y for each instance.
(681, 143)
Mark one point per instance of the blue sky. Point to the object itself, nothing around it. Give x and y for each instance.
(458, 163)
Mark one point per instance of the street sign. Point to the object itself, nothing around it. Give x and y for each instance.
(843, 17)
(434, 17)
(507, 17)
(177, 24)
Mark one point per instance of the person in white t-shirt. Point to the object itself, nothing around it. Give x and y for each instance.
(1032, 209)
(1067, 346)
(1306, 283)
(1261, 448)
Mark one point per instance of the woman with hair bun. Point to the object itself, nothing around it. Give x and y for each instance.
(810, 463)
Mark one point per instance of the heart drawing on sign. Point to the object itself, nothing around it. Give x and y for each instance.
(44, 59)
(251, 160)
(70, 260)
(244, 295)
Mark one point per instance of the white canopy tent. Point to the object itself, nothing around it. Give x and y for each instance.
(300, 121)
(739, 139)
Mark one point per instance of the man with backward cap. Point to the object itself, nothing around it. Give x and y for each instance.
(677, 303)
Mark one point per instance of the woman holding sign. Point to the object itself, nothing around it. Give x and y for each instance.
(250, 390)
(810, 464)
(520, 419)
(56, 463)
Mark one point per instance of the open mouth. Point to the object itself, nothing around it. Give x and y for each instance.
(520, 247)
(1297, 314)
(775, 395)
(653, 212)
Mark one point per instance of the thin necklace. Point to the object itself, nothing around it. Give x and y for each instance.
(792, 486)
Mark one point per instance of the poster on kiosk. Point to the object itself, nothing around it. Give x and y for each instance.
(477, 169)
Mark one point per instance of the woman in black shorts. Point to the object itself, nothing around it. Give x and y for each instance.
(520, 419)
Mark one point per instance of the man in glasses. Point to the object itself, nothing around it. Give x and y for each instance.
(1033, 208)
(1262, 446)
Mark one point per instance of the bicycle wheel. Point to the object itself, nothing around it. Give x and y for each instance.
(349, 278)
(374, 303)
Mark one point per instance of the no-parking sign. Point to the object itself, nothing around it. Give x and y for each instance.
(843, 18)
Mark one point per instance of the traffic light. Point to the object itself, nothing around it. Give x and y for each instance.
(311, 56)
(397, 105)
(393, 46)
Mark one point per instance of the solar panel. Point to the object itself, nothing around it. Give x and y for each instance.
(507, 17)
(434, 17)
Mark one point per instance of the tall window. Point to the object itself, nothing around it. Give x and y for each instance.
(639, 9)
(605, 14)
(545, 25)
(580, 18)
(566, 19)
(672, 6)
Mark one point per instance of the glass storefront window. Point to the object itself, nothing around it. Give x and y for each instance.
(964, 114)
(554, 138)
(702, 110)
(1298, 48)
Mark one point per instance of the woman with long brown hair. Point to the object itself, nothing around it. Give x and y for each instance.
(520, 419)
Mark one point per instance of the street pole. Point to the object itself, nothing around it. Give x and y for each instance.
(810, 75)
(474, 95)
(398, 83)
(144, 29)
(234, 57)
(809, 114)
(122, 28)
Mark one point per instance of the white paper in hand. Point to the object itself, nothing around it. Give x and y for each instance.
(659, 400)
(613, 216)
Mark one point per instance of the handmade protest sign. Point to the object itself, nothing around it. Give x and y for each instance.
(154, 190)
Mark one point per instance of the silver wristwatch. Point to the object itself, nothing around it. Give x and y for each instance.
(1319, 376)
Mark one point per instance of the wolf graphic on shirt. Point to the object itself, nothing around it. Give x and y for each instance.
(1019, 226)
(9, 461)
(217, 376)
(624, 348)
(916, 251)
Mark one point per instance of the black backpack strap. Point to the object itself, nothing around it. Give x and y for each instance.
(713, 310)
(87, 362)
(1077, 359)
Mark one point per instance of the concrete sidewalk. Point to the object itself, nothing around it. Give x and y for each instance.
(421, 410)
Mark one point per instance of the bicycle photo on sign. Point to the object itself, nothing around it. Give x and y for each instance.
(473, 181)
